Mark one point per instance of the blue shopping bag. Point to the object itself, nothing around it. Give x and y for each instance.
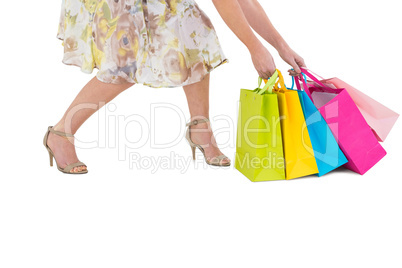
(327, 153)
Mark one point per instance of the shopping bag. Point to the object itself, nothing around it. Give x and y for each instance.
(380, 118)
(298, 151)
(327, 153)
(346, 122)
(259, 151)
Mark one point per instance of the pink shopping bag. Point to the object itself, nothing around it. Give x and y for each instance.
(354, 135)
(380, 118)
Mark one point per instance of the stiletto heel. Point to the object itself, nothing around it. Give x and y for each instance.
(51, 158)
(193, 150)
(216, 161)
(68, 168)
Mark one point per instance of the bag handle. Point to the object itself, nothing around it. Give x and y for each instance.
(280, 81)
(293, 81)
(312, 77)
(305, 87)
(297, 79)
(330, 89)
(311, 72)
(269, 85)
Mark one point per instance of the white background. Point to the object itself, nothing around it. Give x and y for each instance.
(122, 216)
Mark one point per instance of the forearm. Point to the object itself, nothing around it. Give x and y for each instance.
(232, 14)
(259, 21)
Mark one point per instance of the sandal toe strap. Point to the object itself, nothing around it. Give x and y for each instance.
(76, 164)
(217, 159)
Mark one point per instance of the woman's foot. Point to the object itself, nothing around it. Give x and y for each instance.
(202, 134)
(63, 149)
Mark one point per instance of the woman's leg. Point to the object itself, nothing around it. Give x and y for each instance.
(198, 103)
(94, 95)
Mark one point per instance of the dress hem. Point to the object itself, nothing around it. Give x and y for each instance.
(224, 60)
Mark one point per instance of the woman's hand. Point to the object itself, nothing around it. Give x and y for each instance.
(239, 16)
(259, 21)
(231, 12)
(263, 61)
(293, 59)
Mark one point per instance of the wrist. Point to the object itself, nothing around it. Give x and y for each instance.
(282, 46)
(253, 45)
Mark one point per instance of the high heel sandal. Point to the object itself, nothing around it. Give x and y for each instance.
(68, 168)
(216, 161)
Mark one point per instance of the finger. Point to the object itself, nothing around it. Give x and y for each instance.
(292, 73)
(263, 75)
(266, 75)
(296, 67)
(269, 73)
(301, 63)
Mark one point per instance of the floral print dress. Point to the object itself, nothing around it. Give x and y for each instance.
(159, 43)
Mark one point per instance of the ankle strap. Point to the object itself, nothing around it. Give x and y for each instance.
(197, 121)
(59, 132)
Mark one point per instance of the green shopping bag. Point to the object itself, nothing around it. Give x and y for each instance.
(259, 151)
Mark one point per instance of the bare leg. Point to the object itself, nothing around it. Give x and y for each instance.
(197, 95)
(94, 95)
